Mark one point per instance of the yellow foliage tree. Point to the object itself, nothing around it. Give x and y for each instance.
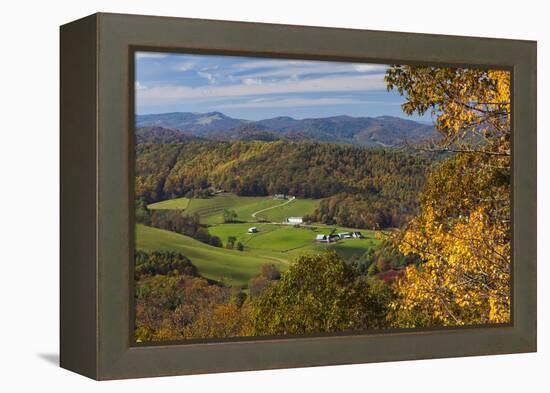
(465, 276)
(463, 232)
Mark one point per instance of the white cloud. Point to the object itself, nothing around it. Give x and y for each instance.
(291, 102)
(296, 68)
(208, 76)
(170, 94)
(186, 66)
(252, 81)
(369, 67)
(273, 63)
(139, 86)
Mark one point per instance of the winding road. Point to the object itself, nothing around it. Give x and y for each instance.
(273, 207)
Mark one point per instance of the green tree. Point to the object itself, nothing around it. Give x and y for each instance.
(318, 293)
(230, 242)
(215, 241)
(229, 215)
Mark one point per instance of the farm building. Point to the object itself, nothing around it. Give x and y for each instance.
(351, 235)
(326, 238)
(252, 230)
(279, 196)
(295, 220)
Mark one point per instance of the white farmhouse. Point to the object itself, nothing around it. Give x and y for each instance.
(295, 220)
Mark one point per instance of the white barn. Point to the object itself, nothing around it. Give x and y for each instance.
(326, 238)
(295, 220)
(322, 239)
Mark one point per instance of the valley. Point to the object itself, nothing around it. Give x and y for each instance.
(330, 197)
(250, 203)
(274, 241)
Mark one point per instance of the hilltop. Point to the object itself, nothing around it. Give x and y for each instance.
(381, 131)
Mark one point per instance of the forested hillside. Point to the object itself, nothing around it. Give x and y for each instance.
(378, 187)
(161, 135)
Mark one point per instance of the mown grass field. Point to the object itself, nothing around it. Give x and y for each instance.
(277, 244)
(274, 243)
(295, 208)
(286, 241)
(229, 266)
(211, 210)
(171, 204)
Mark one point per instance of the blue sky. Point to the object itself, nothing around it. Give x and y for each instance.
(259, 88)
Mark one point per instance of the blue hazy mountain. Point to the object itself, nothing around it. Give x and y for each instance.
(381, 131)
(198, 124)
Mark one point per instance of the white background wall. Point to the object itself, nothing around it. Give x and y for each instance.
(29, 194)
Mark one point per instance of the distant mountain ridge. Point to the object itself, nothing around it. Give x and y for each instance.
(198, 124)
(381, 131)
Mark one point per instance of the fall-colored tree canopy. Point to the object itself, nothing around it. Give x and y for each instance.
(319, 293)
(463, 231)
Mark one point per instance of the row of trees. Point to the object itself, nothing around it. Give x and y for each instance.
(233, 244)
(176, 221)
(166, 263)
(370, 211)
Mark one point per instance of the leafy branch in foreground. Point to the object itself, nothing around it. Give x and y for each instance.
(463, 232)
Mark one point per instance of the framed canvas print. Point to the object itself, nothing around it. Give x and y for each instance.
(241, 196)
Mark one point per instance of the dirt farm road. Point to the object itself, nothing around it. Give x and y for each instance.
(273, 207)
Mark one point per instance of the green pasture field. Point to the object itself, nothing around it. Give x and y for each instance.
(211, 209)
(230, 266)
(274, 243)
(295, 208)
(287, 241)
(170, 204)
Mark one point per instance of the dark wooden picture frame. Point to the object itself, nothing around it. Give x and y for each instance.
(97, 182)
